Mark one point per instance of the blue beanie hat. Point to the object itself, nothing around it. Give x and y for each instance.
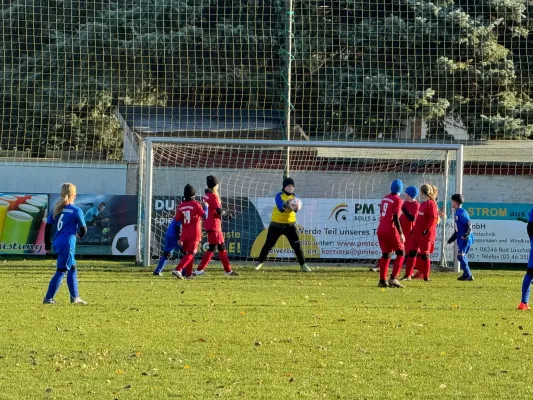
(412, 191)
(396, 186)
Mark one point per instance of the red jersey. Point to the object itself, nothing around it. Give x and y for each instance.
(213, 221)
(427, 218)
(390, 205)
(190, 213)
(412, 208)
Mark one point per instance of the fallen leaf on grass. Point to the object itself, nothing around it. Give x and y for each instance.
(127, 387)
(120, 372)
(443, 386)
(202, 340)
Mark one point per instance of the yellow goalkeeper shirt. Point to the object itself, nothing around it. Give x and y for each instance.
(280, 215)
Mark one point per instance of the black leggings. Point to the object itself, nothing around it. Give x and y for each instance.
(290, 232)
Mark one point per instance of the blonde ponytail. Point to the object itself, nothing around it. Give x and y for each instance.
(430, 191)
(67, 191)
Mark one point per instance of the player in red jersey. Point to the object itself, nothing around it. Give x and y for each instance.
(190, 213)
(407, 219)
(390, 235)
(213, 227)
(424, 233)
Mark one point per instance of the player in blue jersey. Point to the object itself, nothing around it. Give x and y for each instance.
(463, 234)
(172, 236)
(528, 277)
(69, 224)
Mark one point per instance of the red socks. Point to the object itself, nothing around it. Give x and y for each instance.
(205, 260)
(225, 260)
(398, 263)
(184, 262)
(410, 266)
(189, 268)
(223, 255)
(383, 268)
(427, 268)
(424, 266)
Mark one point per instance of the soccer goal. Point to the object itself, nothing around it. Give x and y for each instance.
(340, 184)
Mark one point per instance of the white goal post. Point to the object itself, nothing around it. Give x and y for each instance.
(327, 174)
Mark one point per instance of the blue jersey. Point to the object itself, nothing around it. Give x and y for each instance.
(66, 225)
(530, 220)
(173, 230)
(462, 220)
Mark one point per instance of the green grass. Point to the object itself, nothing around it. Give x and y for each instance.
(275, 334)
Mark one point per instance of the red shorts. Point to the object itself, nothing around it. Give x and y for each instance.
(422, 244)
(190, 246)
(408, 243)
(215, 237)
(389, 243)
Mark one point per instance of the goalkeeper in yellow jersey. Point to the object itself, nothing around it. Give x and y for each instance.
(283, 222)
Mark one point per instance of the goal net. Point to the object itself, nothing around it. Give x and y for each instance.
(340, 185)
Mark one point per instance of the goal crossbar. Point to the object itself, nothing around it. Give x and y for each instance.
(284, 144)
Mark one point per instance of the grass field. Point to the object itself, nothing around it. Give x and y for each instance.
(275, 334)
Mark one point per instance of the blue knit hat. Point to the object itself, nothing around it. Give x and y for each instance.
(396, 186)
(412, 191)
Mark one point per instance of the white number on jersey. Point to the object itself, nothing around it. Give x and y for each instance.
(60, 222)
(385, 206)
(187, 217)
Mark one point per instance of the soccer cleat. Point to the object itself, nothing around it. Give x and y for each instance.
(383, 284)
(395, 283)
(374, 269)
(177, 274)
(158, 273)
(406, 278)
(198, 273)
(469, 278)
(524, 307)
(305, 268)
(258, 266)
(231, 273)
(49, 301)
(77, 300)
(427, 280)
(462, 278)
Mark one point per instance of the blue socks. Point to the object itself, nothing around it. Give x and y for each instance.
(72, 282)
(161, 265)
(56, 280)
(54, 284)
(526, 287)
(463, 261)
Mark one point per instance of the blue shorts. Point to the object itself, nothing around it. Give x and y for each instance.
(463, 246)
(530, 261)
(171, 242)
(65, 256)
